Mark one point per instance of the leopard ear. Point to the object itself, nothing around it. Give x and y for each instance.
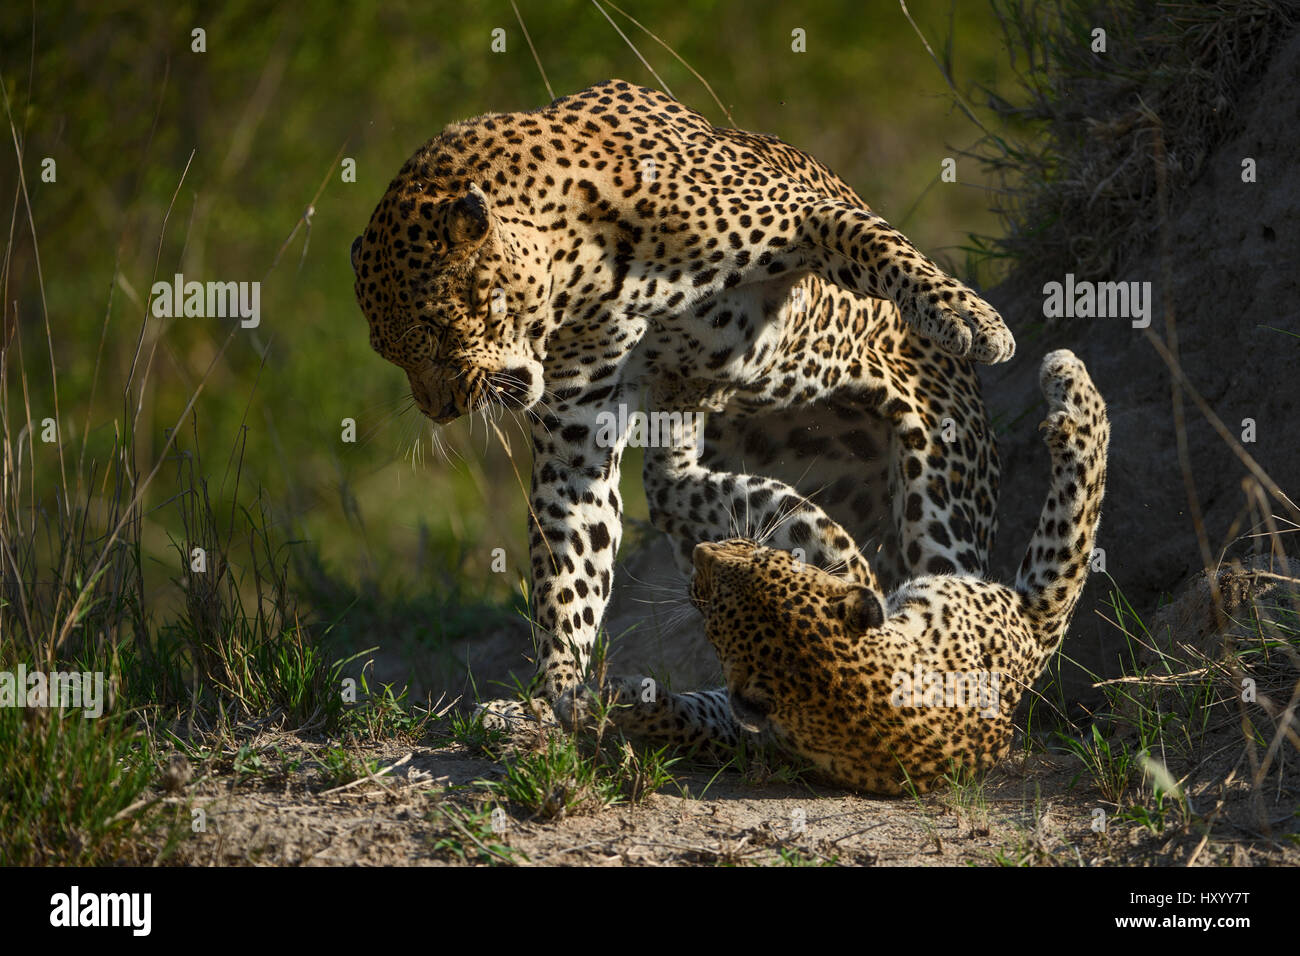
(860, 610)
(469, 219)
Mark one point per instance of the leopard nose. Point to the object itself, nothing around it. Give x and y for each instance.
(449, 413)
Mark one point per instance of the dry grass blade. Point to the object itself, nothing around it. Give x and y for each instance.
(40, 280)
(370, 777)
(632, 46)
(965, 108)
(536, 59)
(695, 73)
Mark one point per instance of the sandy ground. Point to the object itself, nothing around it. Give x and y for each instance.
(1032, 810)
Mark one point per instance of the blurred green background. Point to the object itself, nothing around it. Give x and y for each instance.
(116, 96)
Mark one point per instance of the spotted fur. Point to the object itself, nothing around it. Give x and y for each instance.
(614, 247)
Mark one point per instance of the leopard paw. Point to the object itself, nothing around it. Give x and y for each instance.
(1057, 377)
(1063, 378)
(583, 708)
(514, 715)
(1057, 427)
(958, 320)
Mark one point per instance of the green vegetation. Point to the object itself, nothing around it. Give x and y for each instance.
(206, 164)
(228, 165)
(70, 791)
(467, 836)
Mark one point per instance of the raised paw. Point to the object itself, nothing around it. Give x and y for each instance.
(1057, 427)
(958, 320)
(1063, 378)
(1057, 377)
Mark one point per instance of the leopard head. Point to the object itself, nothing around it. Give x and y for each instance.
(782, 629)
(454, 293)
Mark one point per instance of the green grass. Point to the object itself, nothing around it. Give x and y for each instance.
(341, 764)
(557, 780)
(471, 836)
(570, 775)
(965, 794)
(266, 765)
(792, 856)
(74, 791)
(1012, 857)
(1110, 763)
(385, 714)
(230, 653)
(467, 729)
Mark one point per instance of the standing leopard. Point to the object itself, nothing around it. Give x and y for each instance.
(883, 693)
(614, 248)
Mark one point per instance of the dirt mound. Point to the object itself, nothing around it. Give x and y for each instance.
(1234, 248)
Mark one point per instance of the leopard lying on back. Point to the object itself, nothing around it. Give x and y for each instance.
(842, 675)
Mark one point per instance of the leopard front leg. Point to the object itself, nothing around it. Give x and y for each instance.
(859, 251)
(692, 504)
(575, 522)
(575, 528)
(576, 515)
